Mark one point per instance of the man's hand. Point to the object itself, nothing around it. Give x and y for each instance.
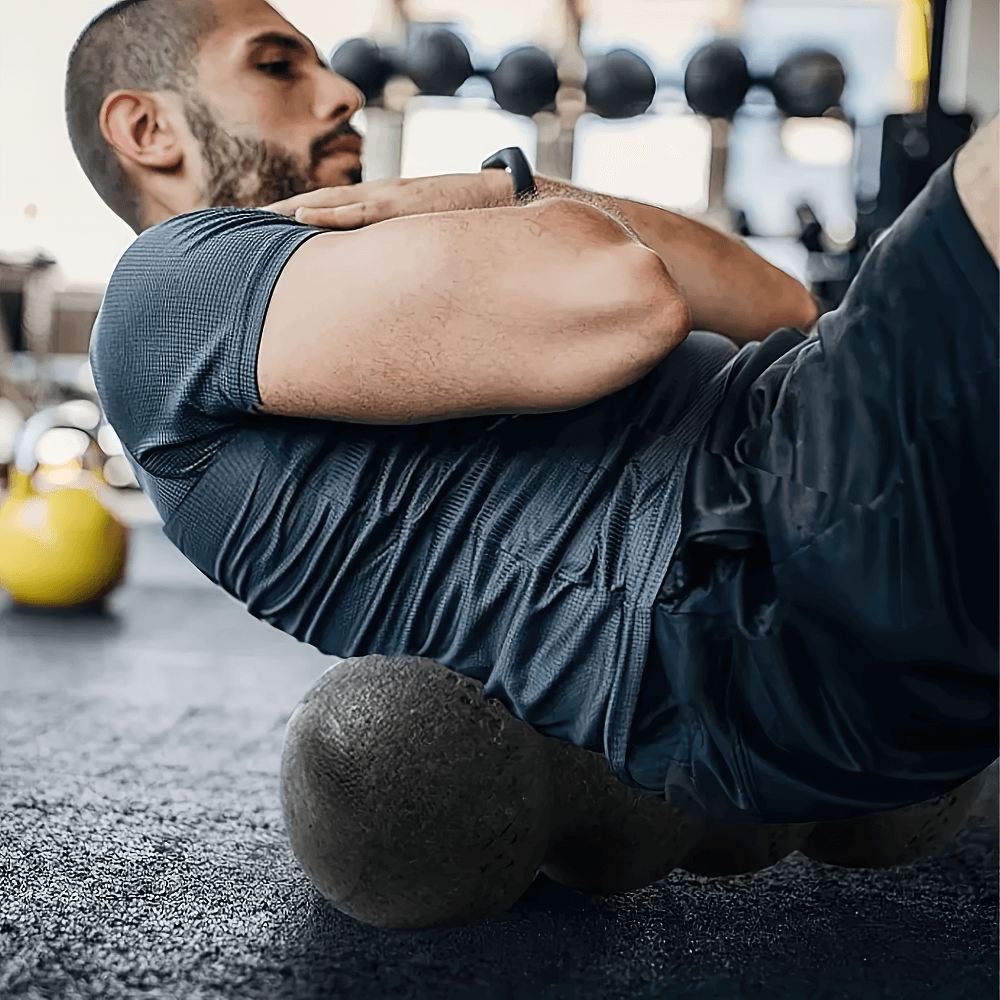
(357, 205)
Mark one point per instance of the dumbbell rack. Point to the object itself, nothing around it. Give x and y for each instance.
(429, 58)
(555, 125)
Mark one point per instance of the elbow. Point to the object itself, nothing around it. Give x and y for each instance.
(665, 318)
(641, 317)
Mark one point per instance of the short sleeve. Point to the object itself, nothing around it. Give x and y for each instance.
(174, 349)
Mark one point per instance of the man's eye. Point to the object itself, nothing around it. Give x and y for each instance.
(281, 68)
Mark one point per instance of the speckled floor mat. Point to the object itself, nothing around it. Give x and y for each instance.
(142, 855)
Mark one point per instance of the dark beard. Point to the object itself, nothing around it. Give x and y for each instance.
(245, 173)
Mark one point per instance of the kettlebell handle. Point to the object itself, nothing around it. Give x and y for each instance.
(34, 427)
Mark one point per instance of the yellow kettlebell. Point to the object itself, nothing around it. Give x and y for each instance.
(58, 548)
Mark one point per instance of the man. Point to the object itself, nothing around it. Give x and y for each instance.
(478, 432)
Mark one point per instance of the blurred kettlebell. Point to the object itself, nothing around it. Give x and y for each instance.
(58, 548)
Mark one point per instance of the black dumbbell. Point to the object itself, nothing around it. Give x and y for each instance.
(364, 64)
(808, 83)
(619, 84)
(437, 61)
(716, 80)
(525, 81)
(805, 85)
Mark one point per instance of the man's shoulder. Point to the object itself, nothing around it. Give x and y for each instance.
(182, 315)
(209, 232)
(211, 223)
(193, 262)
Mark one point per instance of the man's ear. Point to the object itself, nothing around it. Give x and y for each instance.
(140, 128)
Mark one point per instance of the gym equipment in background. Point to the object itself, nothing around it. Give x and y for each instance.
(806, 85)
(619, 84)
(525, 81)
(717, 80)
(364, 64)
(31, 377)
(915, 145)
(437, 61)
(60, 546)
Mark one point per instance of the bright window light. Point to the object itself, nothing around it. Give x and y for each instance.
(660, 158)
(818, 141)
(453, 135)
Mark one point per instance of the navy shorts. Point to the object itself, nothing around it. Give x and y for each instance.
(825, 642)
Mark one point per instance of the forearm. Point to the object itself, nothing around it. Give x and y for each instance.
(729, 289)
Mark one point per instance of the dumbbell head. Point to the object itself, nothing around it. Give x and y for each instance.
(808, 83)
(525, 81)
(364, 64)
(438, 62)
(717, 80)
(619, 84)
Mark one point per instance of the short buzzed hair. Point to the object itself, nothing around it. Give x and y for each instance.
(133, 45)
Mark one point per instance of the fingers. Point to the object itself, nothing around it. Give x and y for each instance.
(329, 197)
(360, 213)
(340, 217)
(353, 206)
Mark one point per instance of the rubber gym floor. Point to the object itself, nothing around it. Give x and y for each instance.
(142, 852)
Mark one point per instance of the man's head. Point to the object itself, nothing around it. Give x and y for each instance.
(174, 105)
(410, 798)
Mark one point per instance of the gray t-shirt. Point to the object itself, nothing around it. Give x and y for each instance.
(527, 551)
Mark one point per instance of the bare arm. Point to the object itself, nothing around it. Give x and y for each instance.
(976, 174)
(729, 288)
(521, 309)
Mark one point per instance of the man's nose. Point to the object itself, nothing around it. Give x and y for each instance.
(336, 97)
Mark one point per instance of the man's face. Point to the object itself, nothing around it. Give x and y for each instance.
(272, 119)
